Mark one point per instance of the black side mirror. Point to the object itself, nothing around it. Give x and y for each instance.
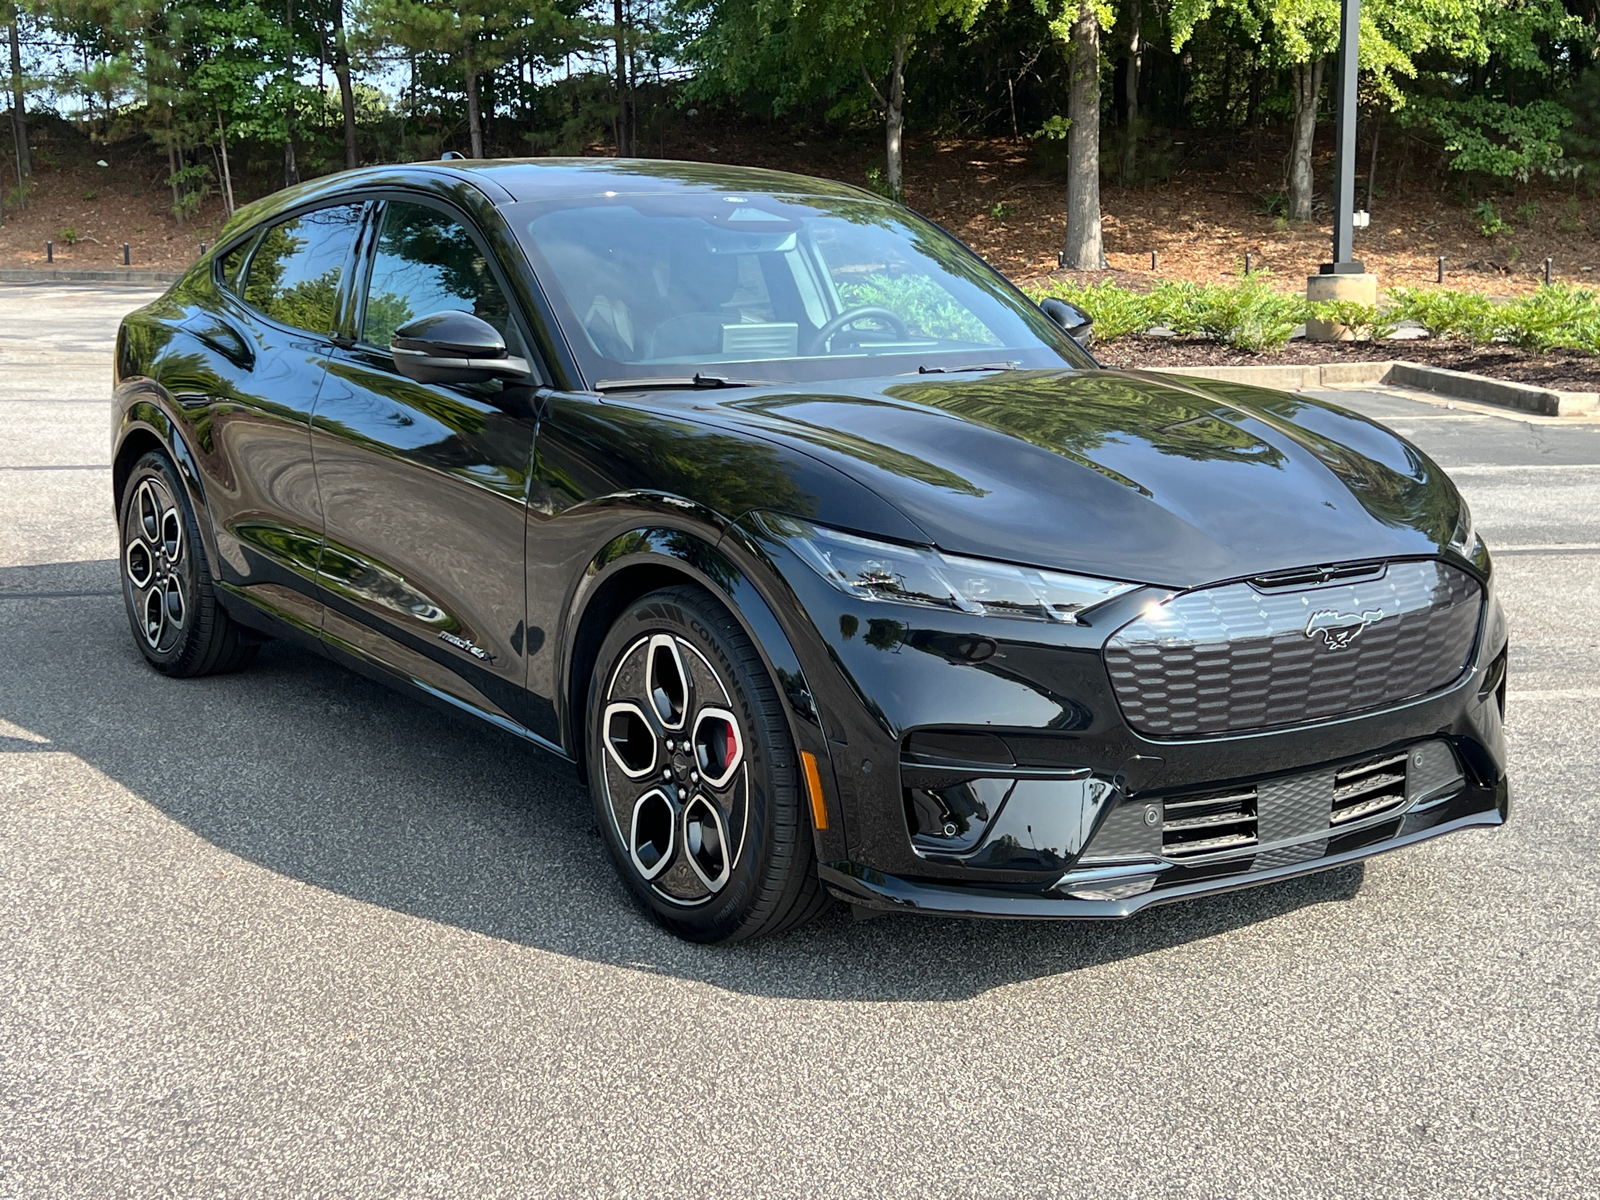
(1078, 326)
(455, 347)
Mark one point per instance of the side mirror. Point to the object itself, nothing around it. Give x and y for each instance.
(455, 347)
(1078, 326)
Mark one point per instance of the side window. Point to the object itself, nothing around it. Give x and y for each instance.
(294, 274)
(427, 262)
(233, 262)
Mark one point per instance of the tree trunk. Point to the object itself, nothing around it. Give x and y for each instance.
(291, 169)
(1082, 250)
(347, 97)
(1130, 144)
(172, 165)
(227, 175)
(19, 117)
(474, 115)
(1307, 78)
(894, 120)
(625, 140)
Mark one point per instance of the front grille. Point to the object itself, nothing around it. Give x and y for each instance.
(1257, 655)
(1369, 788)
(1194, 825)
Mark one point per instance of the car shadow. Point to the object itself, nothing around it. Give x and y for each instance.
(322, 776)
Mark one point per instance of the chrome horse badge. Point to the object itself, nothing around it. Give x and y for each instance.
(1338, 629)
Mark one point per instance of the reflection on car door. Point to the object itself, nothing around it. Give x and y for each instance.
(268, 342)
(424, 487)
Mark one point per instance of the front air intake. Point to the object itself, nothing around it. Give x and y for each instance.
(1194, 825)
(1364, 790)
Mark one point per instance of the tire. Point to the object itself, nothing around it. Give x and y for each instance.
(177, 620)
(711, 834)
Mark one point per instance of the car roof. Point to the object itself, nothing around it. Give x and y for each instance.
(507, 180)
(557, 178)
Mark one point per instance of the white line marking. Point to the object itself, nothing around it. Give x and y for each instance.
(1519, 469)
(1555, 694)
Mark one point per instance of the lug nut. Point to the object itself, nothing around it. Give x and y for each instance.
(694, 776)
(669, 745)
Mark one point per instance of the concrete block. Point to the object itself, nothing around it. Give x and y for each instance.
(1322, 289)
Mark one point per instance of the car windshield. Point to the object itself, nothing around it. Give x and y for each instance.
(780, 288)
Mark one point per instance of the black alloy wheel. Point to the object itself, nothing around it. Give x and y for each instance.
(694, 773)
(177, 621)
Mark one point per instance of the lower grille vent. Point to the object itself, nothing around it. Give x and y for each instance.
(1206, 824)
(1369, 788)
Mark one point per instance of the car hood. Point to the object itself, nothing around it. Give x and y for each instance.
(1138, 476)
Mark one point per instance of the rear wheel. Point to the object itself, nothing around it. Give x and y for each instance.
(694, 775)
(178, 623)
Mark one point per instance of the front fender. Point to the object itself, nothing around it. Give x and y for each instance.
(142, 409)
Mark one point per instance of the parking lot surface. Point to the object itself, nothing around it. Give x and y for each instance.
(285, 933)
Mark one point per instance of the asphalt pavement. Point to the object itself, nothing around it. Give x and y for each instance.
(285, 933)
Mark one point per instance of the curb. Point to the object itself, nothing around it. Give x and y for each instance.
(130, 277)
(1460, 384)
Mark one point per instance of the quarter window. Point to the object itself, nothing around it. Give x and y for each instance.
(427, 262)
(294, 274)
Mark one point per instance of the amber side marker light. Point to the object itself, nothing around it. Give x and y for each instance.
(819, 810)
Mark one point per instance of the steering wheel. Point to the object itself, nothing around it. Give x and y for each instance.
(820, 339)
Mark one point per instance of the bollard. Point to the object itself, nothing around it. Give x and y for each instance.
(1441, 268)
(202, 249)
(126, 260)
(49, 252)
(1152, 260)
(1547, 263)
(1247, 264)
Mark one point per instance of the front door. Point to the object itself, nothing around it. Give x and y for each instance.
(424, 487)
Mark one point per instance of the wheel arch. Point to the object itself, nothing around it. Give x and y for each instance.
(144, 425)
(644, 560)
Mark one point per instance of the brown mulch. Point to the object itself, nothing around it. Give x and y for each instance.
(1561, 370)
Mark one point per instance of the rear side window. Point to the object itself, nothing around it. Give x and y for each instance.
(233, 263)
(294, 273)
(427, 262)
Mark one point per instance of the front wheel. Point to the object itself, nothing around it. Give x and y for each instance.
(694, 775)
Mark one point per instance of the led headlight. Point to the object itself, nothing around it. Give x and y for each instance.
(1464, 540)
(873, 570)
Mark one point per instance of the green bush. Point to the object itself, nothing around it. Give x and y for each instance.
(1115, 311)
(1175, 305)
(1366, 322)
(1446, 313)
(1490, 222)
(1554, 317)
(1251, 315)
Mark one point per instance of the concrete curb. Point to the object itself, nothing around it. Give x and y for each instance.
(1464, 386)
(74, 275)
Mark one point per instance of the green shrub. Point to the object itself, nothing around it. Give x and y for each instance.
(1490, 221)
(926, 308)
(68, 236)
(1444, 312)
(1250, 315)
(1554, 317)
(1175, 305)
(1115, 311)
(1366, 322)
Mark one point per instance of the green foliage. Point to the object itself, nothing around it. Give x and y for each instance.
(1175, 304)
(1571, 218)
(1554, 317)
(1115, 311)
(1250, 315)
(926, 308)
(1490, 222)
(1000, 210)
(1366, 322)
(877, 183)
(1527, 213)
(68, 236)
(1444, 312)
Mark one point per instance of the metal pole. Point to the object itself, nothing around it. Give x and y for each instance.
(1344, 171)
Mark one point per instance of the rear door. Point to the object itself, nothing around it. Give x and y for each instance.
(267, 342)
(424, 487)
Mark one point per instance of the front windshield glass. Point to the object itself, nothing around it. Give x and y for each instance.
(774, 288)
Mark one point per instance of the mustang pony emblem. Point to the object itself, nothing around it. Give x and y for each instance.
(1339, 629)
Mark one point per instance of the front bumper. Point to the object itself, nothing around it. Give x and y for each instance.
(867, 888)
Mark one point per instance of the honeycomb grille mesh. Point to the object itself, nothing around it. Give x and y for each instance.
(1236, 657)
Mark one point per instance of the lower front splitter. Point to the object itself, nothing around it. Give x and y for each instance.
(869, 888)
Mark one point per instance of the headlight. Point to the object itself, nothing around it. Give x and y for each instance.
(1464, 540)
(872, 570)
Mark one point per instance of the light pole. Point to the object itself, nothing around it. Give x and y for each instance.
(1345, 278)
(1344, 127)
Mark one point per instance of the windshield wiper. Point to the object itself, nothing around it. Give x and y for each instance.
(994, 366)
(696, 381)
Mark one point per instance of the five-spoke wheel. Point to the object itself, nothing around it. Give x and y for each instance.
(694, 772)
(179, 624)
